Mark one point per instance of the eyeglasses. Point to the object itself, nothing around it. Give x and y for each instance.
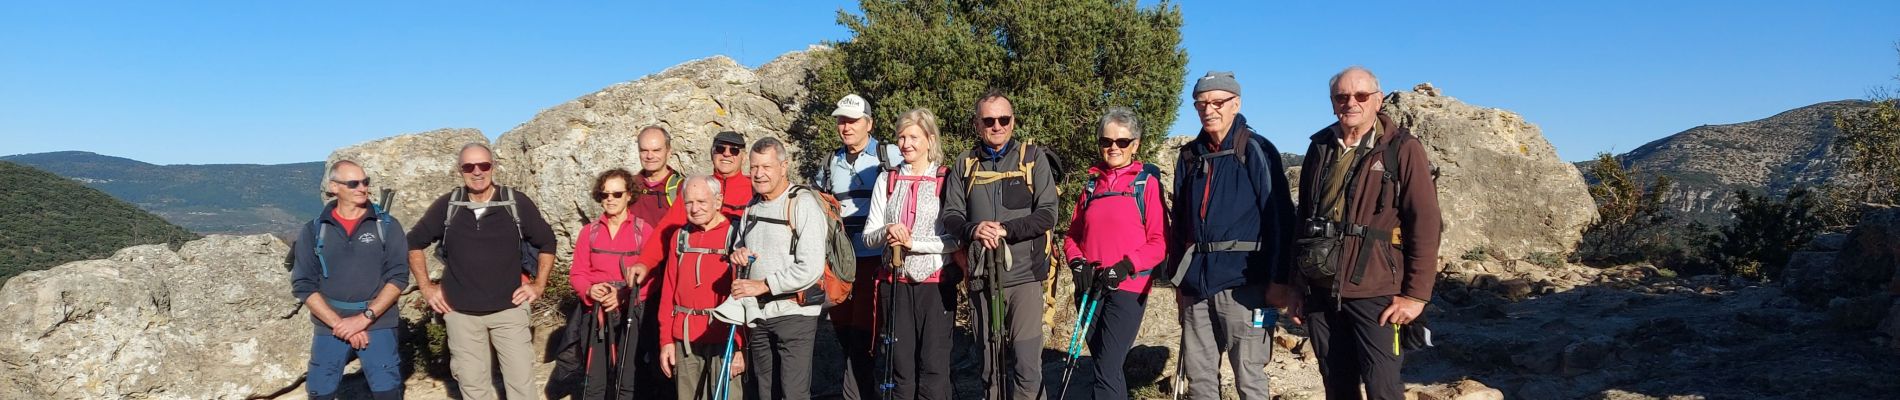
(727, 149)
(1121, 143)
(471, 167)
(1360, 97)
(992, 122)
(610, 195)
(353, 183)
(1203, 104)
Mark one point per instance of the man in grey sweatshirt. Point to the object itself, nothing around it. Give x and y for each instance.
(777, 264)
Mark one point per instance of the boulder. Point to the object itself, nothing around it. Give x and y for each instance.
(1864, 265)
(418, 167)
(1487, 159)
(1462, 390)
(213, 320)
(557, 154)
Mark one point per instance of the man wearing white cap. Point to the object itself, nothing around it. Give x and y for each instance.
(849, 175)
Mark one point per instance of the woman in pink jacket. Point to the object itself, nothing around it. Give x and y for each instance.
(602, 251)
(1117, 237)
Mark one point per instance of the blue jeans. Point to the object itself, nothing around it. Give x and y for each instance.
(381, 367)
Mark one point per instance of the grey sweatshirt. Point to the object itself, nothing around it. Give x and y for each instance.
(772, 242)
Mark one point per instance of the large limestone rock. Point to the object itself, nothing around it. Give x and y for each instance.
(419, 167)
(1501, 185)
(213, 320)
(557, 154)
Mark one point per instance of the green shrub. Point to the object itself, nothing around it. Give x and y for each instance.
(1765, 233)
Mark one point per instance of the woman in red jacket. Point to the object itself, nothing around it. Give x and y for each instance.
(1123, 197)
(602, 251)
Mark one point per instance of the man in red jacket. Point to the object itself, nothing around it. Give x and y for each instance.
(696, 279)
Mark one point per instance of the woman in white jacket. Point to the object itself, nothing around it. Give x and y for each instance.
(917, 294)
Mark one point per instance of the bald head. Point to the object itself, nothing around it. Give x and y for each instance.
(655, 144)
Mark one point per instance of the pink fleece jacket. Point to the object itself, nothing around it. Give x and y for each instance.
(591, 267)
(1102, 231)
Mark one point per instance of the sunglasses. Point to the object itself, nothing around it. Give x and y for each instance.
(1121, 143)
(471, 167)
(610, 195)
(992, 122)
(727, 149)
(353, 183)
(1203, 104)
(1360, 97)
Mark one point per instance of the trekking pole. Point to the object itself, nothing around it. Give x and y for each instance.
(723, 388)
(996, 337)
(1078, 337)
(886, 339)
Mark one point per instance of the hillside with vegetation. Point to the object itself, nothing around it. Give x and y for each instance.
(207, 198)
(51, 220)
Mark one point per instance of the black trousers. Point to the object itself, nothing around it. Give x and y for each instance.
(1117, 322)
(608, 353)
(922, 320)
(1354, 349)
(778, 356)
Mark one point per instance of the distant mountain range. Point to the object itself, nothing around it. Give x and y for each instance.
(51, 220)
(207, 199)
(1772, 155)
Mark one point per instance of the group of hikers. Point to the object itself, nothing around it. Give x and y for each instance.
(713, 286)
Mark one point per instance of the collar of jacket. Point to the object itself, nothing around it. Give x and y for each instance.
(1329, 136)
(329, 214)
(989, 154)
(602, 222)
(870, 148)
(719, 220)
(1100, 169)
(1239, 128)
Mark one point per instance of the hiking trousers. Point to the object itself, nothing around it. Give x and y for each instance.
(328, 356)
(778, 356)
(696, 372)
(922, 320)
(854, 321)
(506, 332)
(1225, 323)
(1354, 349)
(1021, 352)
(1117, 322)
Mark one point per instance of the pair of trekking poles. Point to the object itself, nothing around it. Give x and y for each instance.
(600, 334)
(1084, 324)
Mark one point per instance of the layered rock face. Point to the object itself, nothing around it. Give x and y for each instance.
(213, 320)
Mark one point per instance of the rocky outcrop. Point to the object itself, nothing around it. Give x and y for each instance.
(559, 152)
(213, 320)
(418, 167)
(1501, 186)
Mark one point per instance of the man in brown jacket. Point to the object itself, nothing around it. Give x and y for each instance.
(1369, 248)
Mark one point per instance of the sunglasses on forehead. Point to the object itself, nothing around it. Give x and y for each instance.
(352, 184)
(1121, 143)
(471, 167)
(991, 122)
(728, 149)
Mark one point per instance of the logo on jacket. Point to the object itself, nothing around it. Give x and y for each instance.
(366, 237)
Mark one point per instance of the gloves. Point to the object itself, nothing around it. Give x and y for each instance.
(1113, 276)
(1084, 273)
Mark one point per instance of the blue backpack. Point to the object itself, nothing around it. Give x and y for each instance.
(1138, 190)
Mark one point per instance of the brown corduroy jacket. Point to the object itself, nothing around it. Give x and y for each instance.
(1409, 203)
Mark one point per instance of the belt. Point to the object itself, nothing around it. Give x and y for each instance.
(347, 305)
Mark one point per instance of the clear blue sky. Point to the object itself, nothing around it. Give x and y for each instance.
(276, 82)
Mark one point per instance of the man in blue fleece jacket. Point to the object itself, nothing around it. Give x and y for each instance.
(350, 265)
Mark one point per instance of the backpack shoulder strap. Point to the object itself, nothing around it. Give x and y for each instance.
(1140, 188)
(513, 212)
(459, 195)
(1026, 163)
(316, 227)
(673, 183)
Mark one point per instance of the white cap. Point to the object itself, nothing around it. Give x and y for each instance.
(851, 106)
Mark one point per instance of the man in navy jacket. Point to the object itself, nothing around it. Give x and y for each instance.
(350, 264)
(1234, 216)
